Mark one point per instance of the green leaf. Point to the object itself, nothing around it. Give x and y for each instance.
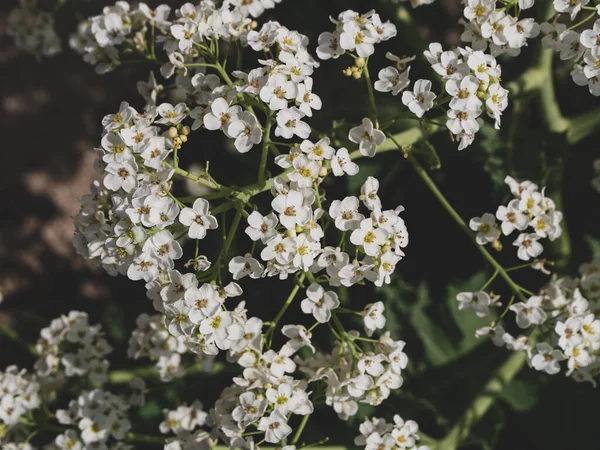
(520, 395)
(438, 347)
(466, 321)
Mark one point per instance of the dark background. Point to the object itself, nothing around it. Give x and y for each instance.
(50, 113)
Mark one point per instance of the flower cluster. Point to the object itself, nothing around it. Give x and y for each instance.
(489, 24)
(136, 223)
(371, 380)
(152, 340)
(376, 433)
(530, 209)
(354, 32)
(100, 416)
(33, 29)
(296, 246)
(71, 347)
(566, 316)
(264, 398)
(20, 394)
(582, 48)
(472, 80)
(183, 422)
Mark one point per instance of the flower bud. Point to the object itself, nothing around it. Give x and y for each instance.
(185, 130)
(183, 138)
(497, 245)
(172, 132)
(323, 172)
(357, 75)
(360, 62)
(291, 233)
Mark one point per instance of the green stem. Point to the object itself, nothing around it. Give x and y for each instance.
(488, 282)
(265, 152)
(592, 15)
(229, 239)
(212, 184)
(14, 336)
(286, 305)
(372, 104)
(300, 429)
(483, 402)
(463, 226)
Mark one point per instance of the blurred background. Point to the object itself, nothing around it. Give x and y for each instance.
(50, 114)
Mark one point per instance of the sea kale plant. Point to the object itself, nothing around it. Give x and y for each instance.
(217, 66)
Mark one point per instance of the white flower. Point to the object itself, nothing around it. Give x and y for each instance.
(198, 219)
(373, 317)
(289, 124)
(279, 363)
(186, 34)
(464, 93)
(449, 66)
(155, 151)
(216, 327)
(319, 302)
(345, 213)
(477, 301)
(299, 337)
(463, 121)
(390, 80)
(571, 7)
(145, 266)
(590, 329)
(517, 33)
(261, 227)
(590, 38)
(203, 302)
(369, 237)
(291, 209)
(306, 251)
(552, 32)
(367, 137)
(275, 427)
(494, 27)
(240, 266)
(164, 246)
(246, 132)
(251, 409)
(512, 219)
(479, 10)
(278, 91)
(305, 171)
(221, 115)
(569, 332)
(354, 37)
(121, 176)
(381, 31)
(487, 230)
(116, 148)
(570, 45)
(318, 151)
(342, 164)
(306, 99)
(279, 249)
(529, 247)
(530, 312)
(171, 114)
(368, 194)
(421, 99)
(329, 46)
